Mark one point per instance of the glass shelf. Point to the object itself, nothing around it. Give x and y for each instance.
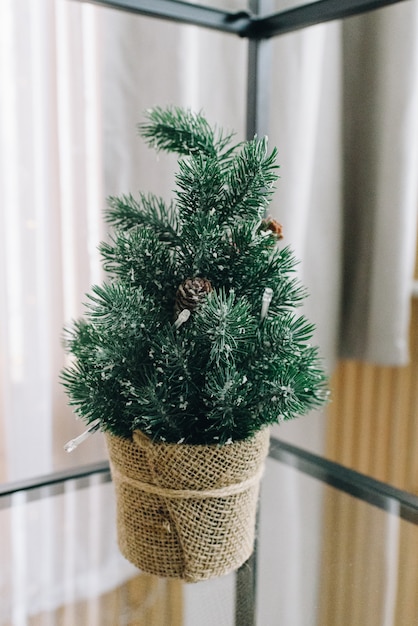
(334, 547)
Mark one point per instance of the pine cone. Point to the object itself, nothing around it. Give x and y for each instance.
(191, 293)
(270, 224)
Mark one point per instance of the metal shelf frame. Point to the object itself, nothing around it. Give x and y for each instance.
(254, 23)
(259, 25)
(374, 492)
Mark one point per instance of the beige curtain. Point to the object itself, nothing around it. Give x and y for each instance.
(380, 133)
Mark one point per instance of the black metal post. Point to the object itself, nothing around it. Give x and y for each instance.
(310, 14)
(258, 78)
(183, 13)
(257, 122)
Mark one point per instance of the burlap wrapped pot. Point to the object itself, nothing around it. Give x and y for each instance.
(186, 511)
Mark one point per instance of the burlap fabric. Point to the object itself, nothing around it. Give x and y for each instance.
(186, 511)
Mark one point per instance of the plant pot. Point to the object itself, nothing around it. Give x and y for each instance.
(186, 511)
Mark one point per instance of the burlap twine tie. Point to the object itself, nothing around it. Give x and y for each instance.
(186, 511)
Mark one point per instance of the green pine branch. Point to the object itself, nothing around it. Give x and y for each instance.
(183, 132)
(226, 324)
(225, 395)
(200, 182)
(150, 211)
(139, 258)
(251, 175)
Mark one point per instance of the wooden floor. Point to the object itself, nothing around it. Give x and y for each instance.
(373, 421)
(369, 569)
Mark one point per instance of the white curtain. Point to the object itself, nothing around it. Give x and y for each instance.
(75, 80)
(58, 550)
(51, 190)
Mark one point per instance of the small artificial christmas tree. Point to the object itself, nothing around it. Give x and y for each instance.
(194, 340)
(230, 367)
